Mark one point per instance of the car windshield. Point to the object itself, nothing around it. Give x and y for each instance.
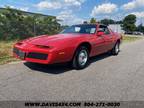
(82, 29)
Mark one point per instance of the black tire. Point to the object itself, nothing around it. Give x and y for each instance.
(76, 64)
(116, 49)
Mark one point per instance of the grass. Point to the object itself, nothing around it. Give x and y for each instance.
(6, 55)
(128, 38)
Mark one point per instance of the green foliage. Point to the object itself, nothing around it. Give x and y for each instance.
(107, 21)
(110, 21)
(14, 24)
(140, 28)
(92, 20)
(129, 23)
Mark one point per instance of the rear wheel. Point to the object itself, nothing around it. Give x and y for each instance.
(81, 58)
(116, 49)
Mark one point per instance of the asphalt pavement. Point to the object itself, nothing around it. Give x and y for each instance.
(107, 77)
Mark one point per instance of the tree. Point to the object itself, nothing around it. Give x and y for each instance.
(140, 28)
(128, 24)
(14, 24)
(92, 20)
(118, 22)
(107, 21)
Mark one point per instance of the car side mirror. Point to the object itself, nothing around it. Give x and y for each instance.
(100, 33)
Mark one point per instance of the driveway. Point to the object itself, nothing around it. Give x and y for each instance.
(106, 78)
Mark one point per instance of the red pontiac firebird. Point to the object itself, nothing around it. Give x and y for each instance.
(76, 44)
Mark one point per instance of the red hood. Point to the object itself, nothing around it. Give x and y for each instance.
(48, 40)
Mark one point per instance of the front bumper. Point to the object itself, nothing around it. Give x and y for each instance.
(32, 54)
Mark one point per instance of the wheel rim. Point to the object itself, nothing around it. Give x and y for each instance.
(83, 57)
(117, 48)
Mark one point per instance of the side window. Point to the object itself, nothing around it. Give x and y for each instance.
(101, 28)
(107, 31)
(104, 29)
(90, 30)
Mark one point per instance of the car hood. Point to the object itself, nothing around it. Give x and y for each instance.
(50, 40)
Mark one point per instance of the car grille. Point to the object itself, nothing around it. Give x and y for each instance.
(37, 55)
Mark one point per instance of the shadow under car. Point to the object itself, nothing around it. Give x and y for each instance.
(61, 67)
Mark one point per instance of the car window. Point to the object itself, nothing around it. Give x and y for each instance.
(90, 30)
(84, 29)
(107, 31)
(104, 29)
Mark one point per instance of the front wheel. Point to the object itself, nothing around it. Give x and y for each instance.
(116, 49)
(81, 58)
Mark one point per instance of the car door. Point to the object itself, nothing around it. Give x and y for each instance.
(108, 38)
(98, 44)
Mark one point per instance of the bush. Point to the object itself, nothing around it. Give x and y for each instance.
(14, 24)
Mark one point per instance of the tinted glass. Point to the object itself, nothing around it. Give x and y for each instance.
(104, 29)
(84, 29)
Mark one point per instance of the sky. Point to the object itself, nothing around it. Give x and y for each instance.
(77, 11)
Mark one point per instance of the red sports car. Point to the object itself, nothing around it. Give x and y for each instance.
(76, 44)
